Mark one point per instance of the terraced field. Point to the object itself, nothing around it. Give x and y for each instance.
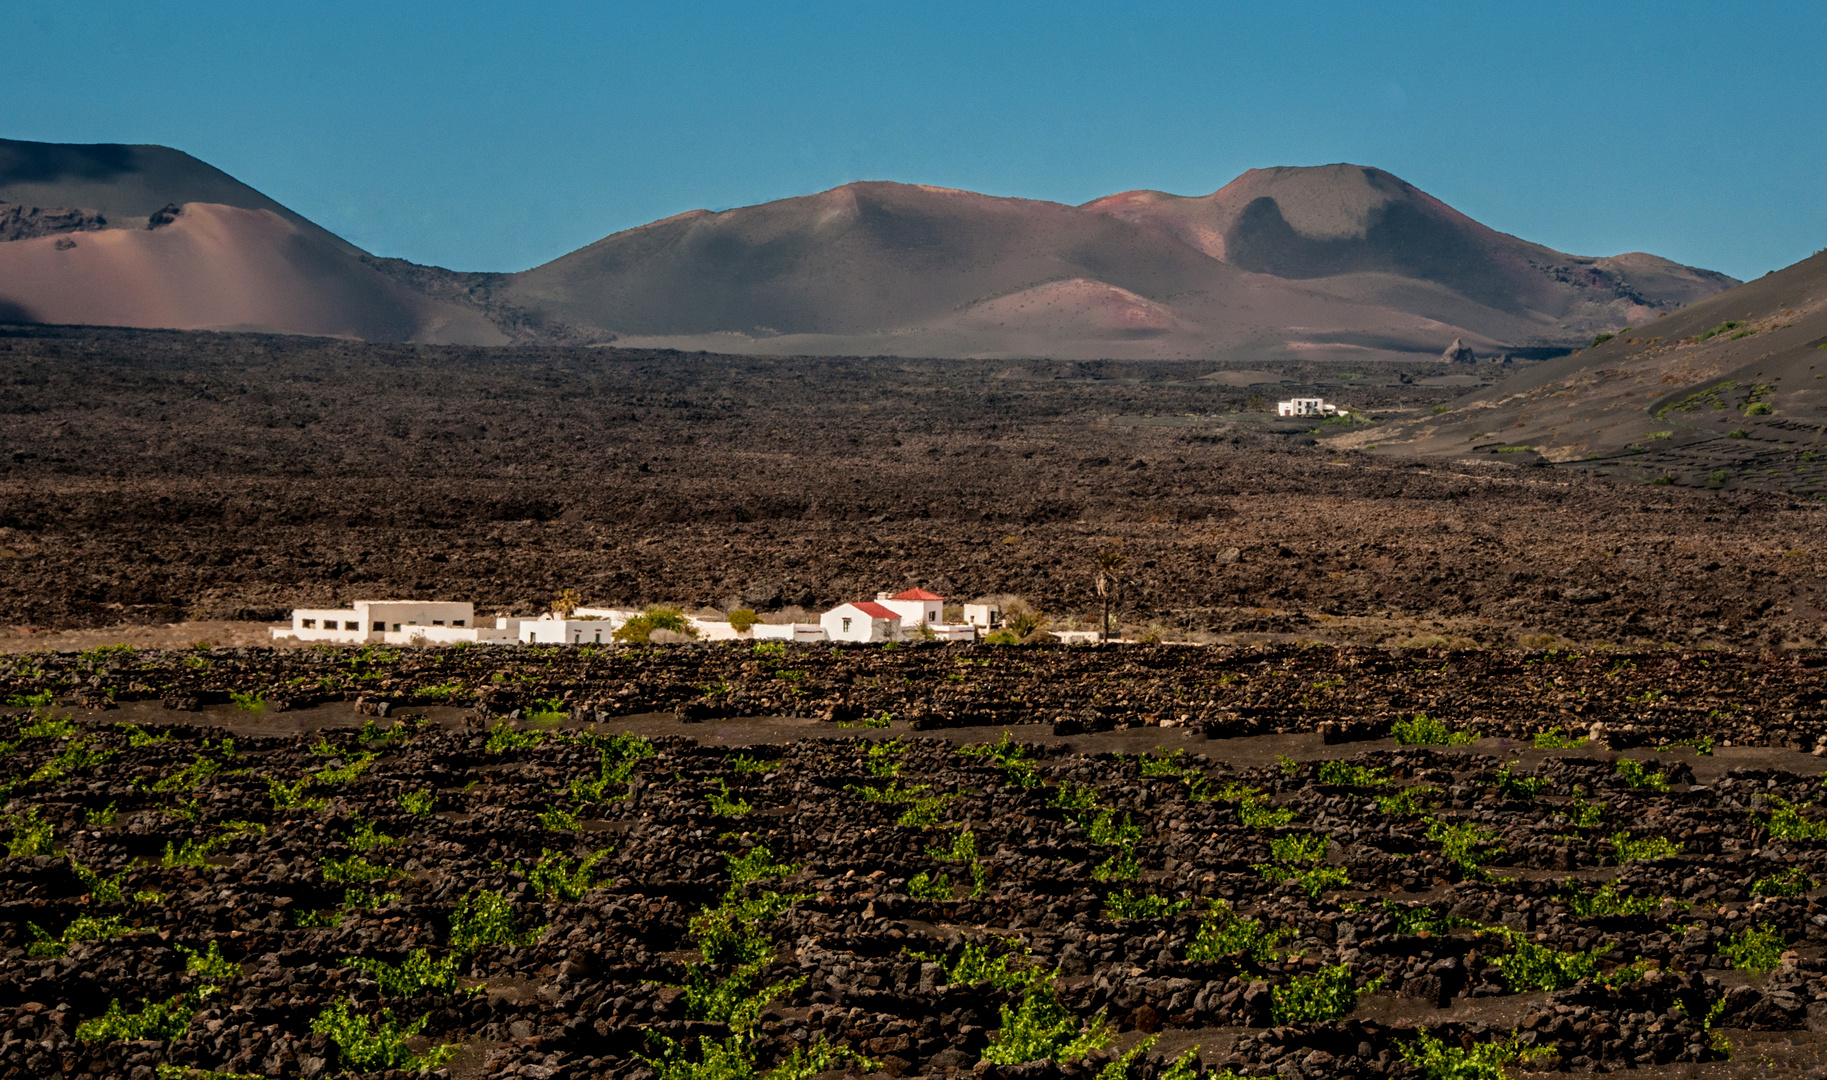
(587, 890)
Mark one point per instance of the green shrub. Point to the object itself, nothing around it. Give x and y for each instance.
(40, 700)
(210, 965)
(502, 738)
(292, 796)
(1423, 730)
(928, 886)
(254, 703)
(1554, 739)
(1347, 775)
(1108, 829)
(723, 805)
(102, 890)
(418, 803)
(1755, 949)
(82, 928)
(366, 1046)
(1437, 1060)
(1637, 775)
(1521, 788)
(1790, 882)
(639, 630)
(1631, 849)
(560, 877)
(1040, 1029)
(1254, 811)
(1467, 845)
(355, 869)
(1529, 966)
(487, 918)
(48, 727)
(1223, 935)
(963, 848)
(1327, 994)
(756, 865)
(1407, 802)
(415, 975)
(742, 619)
(1785, 821)
(163, 1021)
(1608, 901)
(1129, 905)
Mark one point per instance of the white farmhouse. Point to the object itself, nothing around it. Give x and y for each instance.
(916, 607)
(395, 622)
(1306, 406)
(864, 620)
(555, 630)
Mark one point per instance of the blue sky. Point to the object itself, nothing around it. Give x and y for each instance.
(497, 136)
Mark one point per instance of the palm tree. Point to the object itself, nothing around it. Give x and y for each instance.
(566, 603)
(1110, 563)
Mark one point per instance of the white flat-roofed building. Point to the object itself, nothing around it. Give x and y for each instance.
(985, 617)
(1305, 406)
(379, 620)
(553, 630)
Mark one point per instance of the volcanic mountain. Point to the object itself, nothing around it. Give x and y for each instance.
(1335, 262)
(149, 236)
(1729, 392)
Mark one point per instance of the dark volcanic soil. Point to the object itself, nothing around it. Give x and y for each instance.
(153, 477)
(1498, 899)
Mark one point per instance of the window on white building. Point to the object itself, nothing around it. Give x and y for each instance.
(380, 627)
(456, 622)
(308, 624)
(352, 626)
(846, 625)
(932, 616)
(437, 622)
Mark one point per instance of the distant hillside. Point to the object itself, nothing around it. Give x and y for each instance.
(1731, 392)
(88, 239)
(1340, 262)
(1365, 235)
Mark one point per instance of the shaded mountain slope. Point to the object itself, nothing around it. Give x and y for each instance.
(126, 185)
(148, 236)
(1731, 391)
(213, 267)
(1364, 234)
(913, 270)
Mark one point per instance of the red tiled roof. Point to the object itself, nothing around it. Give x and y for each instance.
(916, 594)
(874, 610)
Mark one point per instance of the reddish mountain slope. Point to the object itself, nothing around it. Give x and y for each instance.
(219, 267)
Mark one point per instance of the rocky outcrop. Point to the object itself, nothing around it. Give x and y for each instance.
(20, 222)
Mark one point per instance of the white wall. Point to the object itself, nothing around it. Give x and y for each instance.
(400, 616)
(318, 631)
(913, 612)
(985, 616)
(796, 632)
(862, 626)
(550, 631)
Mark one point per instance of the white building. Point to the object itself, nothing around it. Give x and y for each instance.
(1305, 406)
(864, 620)
(916, 607)
(553, 630)
(985, 617)
(395, 622)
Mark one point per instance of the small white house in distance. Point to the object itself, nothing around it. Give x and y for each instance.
(985, 617)
(915, 606)
(553, 630)
(864, 620)
(1305, 406)
(379, 620)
